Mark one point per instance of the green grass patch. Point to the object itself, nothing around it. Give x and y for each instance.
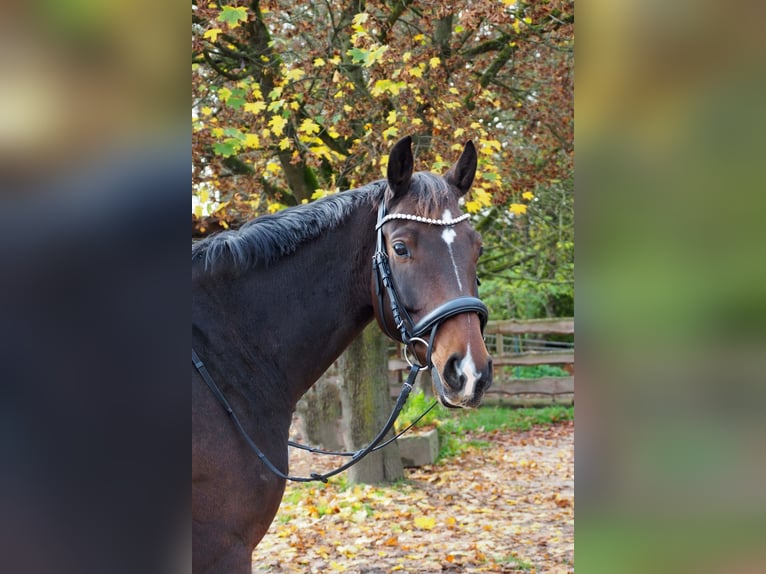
(535, 371)
(454, 423)
(515, 562)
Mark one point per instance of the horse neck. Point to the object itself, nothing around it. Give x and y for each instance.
(292, 319)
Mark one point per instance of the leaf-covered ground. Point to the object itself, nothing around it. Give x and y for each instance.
(504, 507)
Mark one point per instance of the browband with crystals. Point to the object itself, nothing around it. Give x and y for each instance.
(420, 219)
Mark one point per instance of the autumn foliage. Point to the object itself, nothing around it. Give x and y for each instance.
(295, 101)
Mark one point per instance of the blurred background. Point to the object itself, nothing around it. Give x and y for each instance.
(94, 177)
(670, 120)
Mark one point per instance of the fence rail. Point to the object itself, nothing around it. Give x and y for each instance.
(510, 347)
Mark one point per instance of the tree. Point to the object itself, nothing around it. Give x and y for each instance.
(292, 102)
(367, 404)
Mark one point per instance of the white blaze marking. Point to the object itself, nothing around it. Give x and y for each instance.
(468, 368)
(448, 235)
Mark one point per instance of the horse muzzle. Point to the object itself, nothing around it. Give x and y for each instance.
(459, 383)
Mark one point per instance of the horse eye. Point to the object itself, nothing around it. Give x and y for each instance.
(481, 250)
(478, 281)
(401, 249)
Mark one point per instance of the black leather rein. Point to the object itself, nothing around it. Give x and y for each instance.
(407, 333)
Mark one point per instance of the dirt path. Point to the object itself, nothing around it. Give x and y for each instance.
(508, 507)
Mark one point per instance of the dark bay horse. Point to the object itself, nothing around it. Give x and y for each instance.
(277, 301)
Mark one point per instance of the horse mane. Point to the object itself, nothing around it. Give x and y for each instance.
(268, 238)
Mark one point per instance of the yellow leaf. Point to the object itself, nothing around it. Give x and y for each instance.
(425, 522)
(347, 108)
(319, 62)
(276, 93)
(406, 56)
(212, 34)
(509, 2)
(417, 72)
(206, 110)
(434, 62)
(198, 211)
(391, 118)
(224, 94)
(204, 196)
(273, 167)
(517, 208)
(390, 132)
(277, 124)
(255, 107)
(528, 195)
(309, 127)
(285, 143)
(294, 75)
(360, 18)
(459, 132)
(252, 141)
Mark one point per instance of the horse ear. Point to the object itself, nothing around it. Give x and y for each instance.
(400, 165)
(462, 173)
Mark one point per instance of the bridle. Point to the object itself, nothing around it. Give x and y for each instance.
(406, 331)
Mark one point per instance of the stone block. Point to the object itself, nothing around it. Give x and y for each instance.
(419, 449)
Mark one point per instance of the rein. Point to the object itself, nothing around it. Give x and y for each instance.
(408, 333)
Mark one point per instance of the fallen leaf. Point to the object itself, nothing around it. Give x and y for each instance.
(425, 522)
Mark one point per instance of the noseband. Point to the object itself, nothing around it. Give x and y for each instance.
(406, 330)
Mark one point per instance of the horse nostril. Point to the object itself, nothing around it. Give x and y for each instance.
(453, 376)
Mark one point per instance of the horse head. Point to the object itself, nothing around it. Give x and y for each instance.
(431, 251)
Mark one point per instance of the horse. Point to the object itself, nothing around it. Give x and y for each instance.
(275, 302)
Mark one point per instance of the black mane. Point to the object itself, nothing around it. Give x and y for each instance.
(267, 238)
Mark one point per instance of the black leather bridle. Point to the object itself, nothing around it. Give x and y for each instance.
(406, 331)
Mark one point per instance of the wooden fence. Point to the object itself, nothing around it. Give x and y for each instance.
(511, 345)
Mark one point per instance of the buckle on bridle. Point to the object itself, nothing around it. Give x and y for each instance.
(406, 347)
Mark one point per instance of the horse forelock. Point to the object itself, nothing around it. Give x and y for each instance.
(430, 193)
(268, 238)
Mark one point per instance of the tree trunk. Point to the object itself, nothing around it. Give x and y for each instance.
(319, 411)
(367, 404)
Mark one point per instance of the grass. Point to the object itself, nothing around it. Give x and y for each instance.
(515, 562)
(535, 371)
(454, 424)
